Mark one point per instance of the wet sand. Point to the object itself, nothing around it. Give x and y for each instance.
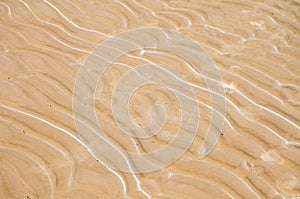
(255, 45)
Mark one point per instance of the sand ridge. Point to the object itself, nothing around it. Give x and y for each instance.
(255, 46)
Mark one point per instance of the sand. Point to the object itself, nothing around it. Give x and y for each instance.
(254, 150)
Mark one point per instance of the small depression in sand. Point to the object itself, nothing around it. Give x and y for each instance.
(137, 100)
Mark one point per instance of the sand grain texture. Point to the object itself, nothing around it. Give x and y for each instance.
(255, 46)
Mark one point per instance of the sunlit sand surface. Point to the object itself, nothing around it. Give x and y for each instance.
(255, 45)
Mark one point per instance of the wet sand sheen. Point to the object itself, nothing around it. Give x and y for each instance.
(255, 46)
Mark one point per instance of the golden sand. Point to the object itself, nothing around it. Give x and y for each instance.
(255, 45)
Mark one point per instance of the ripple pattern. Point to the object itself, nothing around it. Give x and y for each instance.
(255, 46)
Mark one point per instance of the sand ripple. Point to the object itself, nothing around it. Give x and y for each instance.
(254, 44)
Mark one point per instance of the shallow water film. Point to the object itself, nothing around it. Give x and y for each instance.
(149, 99)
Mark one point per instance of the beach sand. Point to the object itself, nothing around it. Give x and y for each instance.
(254, 44)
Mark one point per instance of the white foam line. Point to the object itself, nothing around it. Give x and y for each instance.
(224, 32)
(257, 87)
(71, 22)
(178, 9)
(276, 134)
(266, 41)
(64, 44)
(233, 174)
(155, 14)
(263, 74)
(266, 109)
(140, 188)
(233, 89)
(9, 10)
(188, 97)
(51, 24)
(186, 18)
(42, 52)
(39, 140)
(64, 131)
(219, 52)
(113, 171)
(22, 63)
(191, 68)
(152, 12)
(191, 84)
(169, 21)
(54, 147)
(126, 7)
(135, 177)
(56, 85)
(17, 33)
(272, 112)
(74, 5)
(42, 47)
(288, 85)
(44, 121)
(270, 77)
(271, 18)
(206, 181)
(123, 184)
(121, 153)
